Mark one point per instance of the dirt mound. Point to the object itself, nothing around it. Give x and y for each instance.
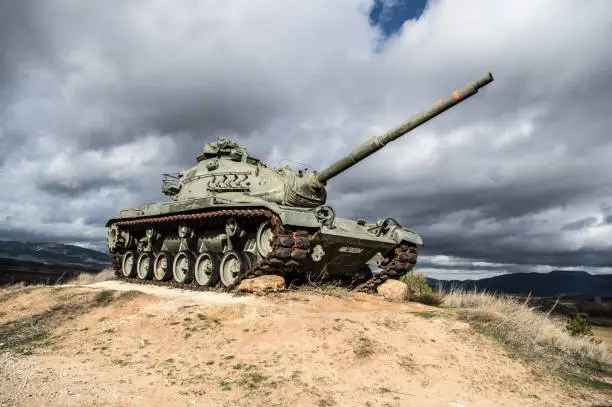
(115, 344)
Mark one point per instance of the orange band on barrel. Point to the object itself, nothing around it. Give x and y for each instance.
(456, 95)
(438, 103)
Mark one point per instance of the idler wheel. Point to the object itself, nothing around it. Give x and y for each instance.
(118, 239)
(183, 266)
(144, 268)
(233, 264)
(207, 269)
(113, 238)
(128, 265)
(163, 266)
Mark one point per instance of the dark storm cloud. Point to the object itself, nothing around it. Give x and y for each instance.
(108, 78)
(22, 41)
(507, 247)
(516, 236)
(102, 98)
(580, 224)
(22, 45)
(181, 109)
(76, 189)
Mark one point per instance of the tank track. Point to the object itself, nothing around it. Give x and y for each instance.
(403, 262)
(289, 249)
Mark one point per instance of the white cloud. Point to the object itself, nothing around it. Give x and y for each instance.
(128, 90)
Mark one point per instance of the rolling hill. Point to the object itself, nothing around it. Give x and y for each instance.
(116, 344)
(557, 283)
(32, 262)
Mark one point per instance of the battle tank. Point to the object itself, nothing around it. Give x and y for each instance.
(232, 217)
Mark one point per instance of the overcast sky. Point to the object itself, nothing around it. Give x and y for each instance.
(98, 99)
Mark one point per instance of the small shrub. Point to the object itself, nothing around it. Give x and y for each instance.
(420, 291)
(129, 295)
(579, 326)
(103, 298)
(417, 284)
(363, 347)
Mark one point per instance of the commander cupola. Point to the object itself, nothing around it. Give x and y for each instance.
(228, 149)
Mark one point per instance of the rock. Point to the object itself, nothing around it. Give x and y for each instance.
(393, 290)
(263, 284)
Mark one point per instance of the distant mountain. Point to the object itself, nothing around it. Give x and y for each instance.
(47, 262)
(557, 283)
(53, 253)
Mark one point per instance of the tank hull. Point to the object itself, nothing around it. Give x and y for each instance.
(303, 247)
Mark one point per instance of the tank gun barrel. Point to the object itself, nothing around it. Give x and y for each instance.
(378, 142)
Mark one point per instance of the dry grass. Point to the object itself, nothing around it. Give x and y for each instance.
(88, 278)
(20, 287)
(83, 279)
(31, 333)
(456, 298)
(363, 347)
(21, 334)
(433, 299)
(331, 289)
(531, 334)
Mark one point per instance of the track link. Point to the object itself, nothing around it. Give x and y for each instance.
(289, 248)
(403, 261)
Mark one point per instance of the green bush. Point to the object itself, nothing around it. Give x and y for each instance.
(419, 290)
(579, 325)
(417, 284)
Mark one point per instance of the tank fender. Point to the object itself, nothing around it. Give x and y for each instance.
(402, 234)
(288, 216)
(298, 218)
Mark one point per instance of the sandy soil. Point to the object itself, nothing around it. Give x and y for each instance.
(169, 347)
(605, 334)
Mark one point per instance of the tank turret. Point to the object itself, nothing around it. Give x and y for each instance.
(232, 217)
(226, 170)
